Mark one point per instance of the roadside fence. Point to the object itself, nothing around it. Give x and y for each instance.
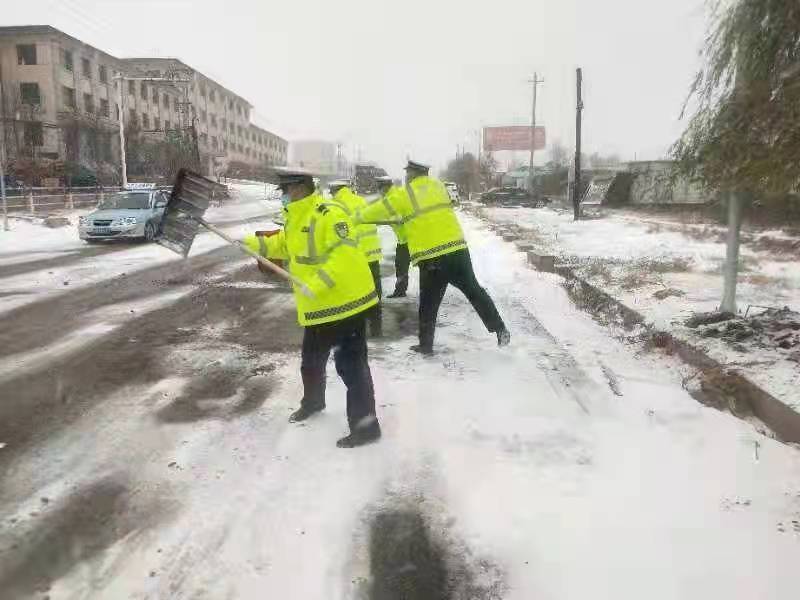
(49, 199)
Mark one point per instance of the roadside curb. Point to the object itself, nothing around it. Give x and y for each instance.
(721, 387)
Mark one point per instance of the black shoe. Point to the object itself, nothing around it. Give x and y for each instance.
(361, 435)
(503, 337)
(302, 413)
(397, 295)
(424, 350)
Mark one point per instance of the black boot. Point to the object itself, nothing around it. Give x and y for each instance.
(302, 413)
(361, 434)
(423, 349)
(503, 337)
(397, 294)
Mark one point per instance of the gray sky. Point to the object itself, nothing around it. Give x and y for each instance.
(419, 76)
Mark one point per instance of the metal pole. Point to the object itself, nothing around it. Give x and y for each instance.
(2, 159)
(535, 81)
(576, 199)
(123, 160)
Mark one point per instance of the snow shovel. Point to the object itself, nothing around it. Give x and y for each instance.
(183, 215)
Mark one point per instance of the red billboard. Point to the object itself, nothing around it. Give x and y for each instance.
(515, 137)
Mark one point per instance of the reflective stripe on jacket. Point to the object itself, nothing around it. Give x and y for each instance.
(426, 212)
(366, 233)
(320, 247)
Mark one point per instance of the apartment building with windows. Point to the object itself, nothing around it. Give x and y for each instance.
(60, 102)
(58, 99)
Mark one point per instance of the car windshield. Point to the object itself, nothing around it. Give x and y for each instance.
(130, 200)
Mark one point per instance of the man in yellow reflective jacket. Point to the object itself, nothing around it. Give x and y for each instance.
(436, 244)
(402, 259)
(319, 246)
(368, 241)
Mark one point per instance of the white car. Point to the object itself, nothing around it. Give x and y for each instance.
(134, 213)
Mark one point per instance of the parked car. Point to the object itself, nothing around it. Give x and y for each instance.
(452, 191)
(134, 213)
(511, 196)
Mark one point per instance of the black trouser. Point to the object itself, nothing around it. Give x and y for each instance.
(434, 276)
(349, 339)
(376, 313)
(402, 260)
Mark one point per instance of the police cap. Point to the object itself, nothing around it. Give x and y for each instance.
(417, 166)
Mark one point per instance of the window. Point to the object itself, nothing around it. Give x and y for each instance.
(66, 60)
(214, 142)
(104, 107)
(166, 125)
(105, 147)
(145, 121)
(223, 124)
(165, 100)
(233, 128)
(155, 97)
(29, 92)
(132, 88)
(88, 103)
(69, 96)
(203, 139)
(157, 124)
(143, 91)
(238, 109)
(230, 105)
(34, 135)
(211, 96)
(214, 120)
(86, 68)
(203, 116)
(102, 74)
(241, 132)
(203, 90)
(26, 54)
(132, 116)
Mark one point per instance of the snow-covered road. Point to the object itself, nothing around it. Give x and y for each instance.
(158, 462)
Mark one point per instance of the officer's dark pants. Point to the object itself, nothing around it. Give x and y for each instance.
(434, 276)
(349, 340)
(376, 312)
(402, 260)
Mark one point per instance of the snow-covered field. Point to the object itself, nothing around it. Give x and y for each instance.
(667, 275)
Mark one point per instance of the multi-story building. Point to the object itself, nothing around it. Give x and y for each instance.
(60, 101)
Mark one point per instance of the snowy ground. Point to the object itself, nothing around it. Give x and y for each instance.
(638, 259)
(158, 463)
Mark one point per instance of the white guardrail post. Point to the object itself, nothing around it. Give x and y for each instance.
(70, 201)
(31, 206)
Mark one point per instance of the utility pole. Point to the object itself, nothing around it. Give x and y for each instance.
(535, 81)
(2, 159)
(576, 198)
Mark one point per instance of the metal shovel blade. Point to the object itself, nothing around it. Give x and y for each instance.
(190, 198)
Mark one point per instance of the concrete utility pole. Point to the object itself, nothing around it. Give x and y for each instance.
(120, 78)
(576, 186)
(535, 81)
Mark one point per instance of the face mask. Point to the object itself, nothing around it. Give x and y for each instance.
(285, 199)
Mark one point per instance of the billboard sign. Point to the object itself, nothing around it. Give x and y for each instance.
(515, 137)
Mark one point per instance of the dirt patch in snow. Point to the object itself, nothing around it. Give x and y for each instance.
(60, 536)
(412, 558)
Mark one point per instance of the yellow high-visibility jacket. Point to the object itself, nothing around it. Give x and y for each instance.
(397, 227)
(319, 245)
(366, 233)
(426, 213)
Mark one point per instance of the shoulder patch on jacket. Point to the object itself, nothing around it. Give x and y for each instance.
(342, 229)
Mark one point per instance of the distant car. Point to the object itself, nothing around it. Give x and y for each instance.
(452, 191)
(511, 196)
(133, 213)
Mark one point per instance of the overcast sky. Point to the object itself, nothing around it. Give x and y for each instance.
(417, 77)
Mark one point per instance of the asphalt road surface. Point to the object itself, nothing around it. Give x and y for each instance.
(145, 452)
